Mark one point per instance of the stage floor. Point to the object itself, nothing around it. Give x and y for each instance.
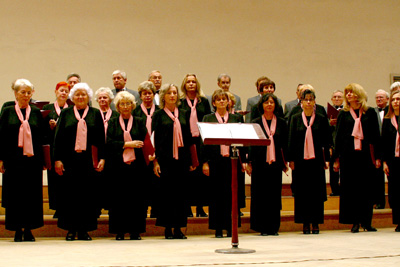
(329, 248)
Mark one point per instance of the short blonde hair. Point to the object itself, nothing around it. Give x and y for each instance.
(17, 84)
(124, 95)
(103, 90)
(163, 90)
(359, 91)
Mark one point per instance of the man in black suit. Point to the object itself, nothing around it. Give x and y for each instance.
(156, 78)
(381, 99)
(119, 79)
(291, 104)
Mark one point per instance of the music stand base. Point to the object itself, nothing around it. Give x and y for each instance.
(235, 250)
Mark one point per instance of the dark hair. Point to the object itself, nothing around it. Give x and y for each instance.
(307, 92)
(265, 83)
(263, 99)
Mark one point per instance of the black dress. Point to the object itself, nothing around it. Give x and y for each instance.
(174, 173)
(22, 195)
(266, 181)
(357, 170)
(126, 182)
(77, 206)
(310, 180)
(52, 176)
(388, 156)
(197, 181)
(220, 207)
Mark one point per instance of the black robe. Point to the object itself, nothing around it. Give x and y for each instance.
(266, 181)
(357, 170)
(221, 180)
(388, 155)
(22, 195)
(78, 199)
(197, 181)
(52, 176)
(174, 173)
(310, 180)
(126, 182)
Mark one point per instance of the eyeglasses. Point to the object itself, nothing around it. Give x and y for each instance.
(125, 104)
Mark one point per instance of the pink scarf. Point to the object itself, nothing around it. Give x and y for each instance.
(193, 117)
(270, 132)
(395, 125)
(178, 139)
(58, 109)
(148, 116)
(357, 129)
(25, 134)
(129, 153)
(224, 149)
(233, 111)
(81, 131)
(308, 142)
(106, 119)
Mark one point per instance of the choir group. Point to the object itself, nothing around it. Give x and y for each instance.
(143, 148)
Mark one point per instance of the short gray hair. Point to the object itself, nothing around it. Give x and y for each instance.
(223, 75)
(383, 91)
(123, 73)
(17, 84)
(394, 86)
(81, 86)
(103, 90)
(74, 75)
(146, 86)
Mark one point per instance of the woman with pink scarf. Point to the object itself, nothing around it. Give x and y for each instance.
(21, 163)
(309, 143)
(356, 155)
(78, 155)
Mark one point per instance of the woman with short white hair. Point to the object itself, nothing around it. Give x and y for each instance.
(78, 154)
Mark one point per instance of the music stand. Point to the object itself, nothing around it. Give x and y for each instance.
(233, 135)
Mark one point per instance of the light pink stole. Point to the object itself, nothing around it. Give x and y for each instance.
(177, 134)
(395, 125)
(148, 116)
(58, 109)
(309, 152)
(224, 149)
(81, 131)
(129, 152)
(270, 132)
(194, 129)
(25, 134)
(106, 118)
(357, 129)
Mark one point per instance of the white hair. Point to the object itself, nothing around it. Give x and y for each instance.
(383, 91)
(101, 90)
(81, 86)
(17, 84)
(394, 86)
(123, 73)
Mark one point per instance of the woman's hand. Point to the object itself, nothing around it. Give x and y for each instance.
(326, 165)
(285, 168)
(378, 163)
(59, 166)
(2, 170)
(191, 168)
(156, 168)
(291, 165)
(206, 169)
(249, 169)
(152, 157)
(134, 144)
(53, 124)
(386, 168)
(100, 165)
(336, 165)
(244, 166)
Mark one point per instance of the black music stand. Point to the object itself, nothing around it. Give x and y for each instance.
(234, 135)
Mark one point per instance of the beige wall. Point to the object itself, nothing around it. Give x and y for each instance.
(327, 43)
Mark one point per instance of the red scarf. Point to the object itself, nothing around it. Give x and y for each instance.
(270, 132)
(81, 131)
(309, 152)
(25, 134)
(129, 153)
(178, 139)
(224, 149)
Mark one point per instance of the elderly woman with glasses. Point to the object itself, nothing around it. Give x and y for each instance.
(79, 154)
(21, 162)
(125, 139)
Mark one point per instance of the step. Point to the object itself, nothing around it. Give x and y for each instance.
(199, 226)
